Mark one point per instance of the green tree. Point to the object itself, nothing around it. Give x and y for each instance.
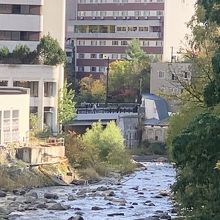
(66, 105)
(195, 142)
(50, 52)
(129, 77)
(92, 90)
(196, 152)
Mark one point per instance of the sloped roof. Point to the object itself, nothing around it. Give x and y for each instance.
(161, 105)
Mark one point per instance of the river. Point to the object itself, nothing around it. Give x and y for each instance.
(137, 197)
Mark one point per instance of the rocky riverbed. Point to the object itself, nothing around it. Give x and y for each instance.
(142, 195)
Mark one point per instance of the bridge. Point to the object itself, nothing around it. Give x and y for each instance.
(87, 115)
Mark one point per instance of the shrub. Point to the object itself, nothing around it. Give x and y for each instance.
(4, 52)
(21, 52)
(50, 52)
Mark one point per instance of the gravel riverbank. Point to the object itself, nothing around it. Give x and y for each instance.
(141, 195)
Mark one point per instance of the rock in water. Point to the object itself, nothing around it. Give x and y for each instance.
(50, 196)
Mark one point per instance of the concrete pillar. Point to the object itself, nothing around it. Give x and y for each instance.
(41, 104)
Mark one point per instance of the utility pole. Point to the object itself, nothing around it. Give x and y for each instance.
(106, 98)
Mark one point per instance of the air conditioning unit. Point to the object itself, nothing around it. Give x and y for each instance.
(136, 17)
(115, 18)
(102, 17)
(128, 17)
(93, 18)
(146, 17)
(158, 17)
(81, 18)
(124, 18)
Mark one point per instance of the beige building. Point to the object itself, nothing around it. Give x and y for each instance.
(14, 115)
(25, 22)
(169, 78)
(177, 14)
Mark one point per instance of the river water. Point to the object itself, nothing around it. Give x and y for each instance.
(135, 198)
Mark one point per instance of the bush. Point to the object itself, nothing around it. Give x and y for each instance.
(99, 148)
(4, 52)
(21, 52)
(50, 52)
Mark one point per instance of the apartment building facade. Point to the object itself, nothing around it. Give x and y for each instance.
(25, 22)
(102, 29)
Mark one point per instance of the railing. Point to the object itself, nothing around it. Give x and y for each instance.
(94, 110)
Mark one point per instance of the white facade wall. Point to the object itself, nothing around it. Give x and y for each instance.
(51, 20)
(41, 74)
(10, 102)
(177, 14)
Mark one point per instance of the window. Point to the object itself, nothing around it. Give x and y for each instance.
(33, 88)
(19, 36)
(121, 28)
(6, 126)
(137, 13)
(93, 68)
(173, 76)
(114, 43)
(132, 28)
(15, 125)
(93, 56)
(143, 28)
(3, 83)
(146, 43)
(93, 42)
(80, 68)
(124, 43)
(161, 74)
(32, 85)
(33, 110)
(123, 56)
(115, 13)
(103, 13)
(124, 13)
(81, 55)
(16, 9)
(101, 56)
(102, 69)
(81, 42)
(49, 89)
(115, 56)
(102, 42)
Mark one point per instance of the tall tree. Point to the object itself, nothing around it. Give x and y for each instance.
(126, 75)
(66, 105)
(50, 52)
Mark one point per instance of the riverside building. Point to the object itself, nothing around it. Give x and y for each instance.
(25, 22)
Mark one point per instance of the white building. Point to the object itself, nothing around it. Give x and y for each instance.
(14, 115)
(25, 22)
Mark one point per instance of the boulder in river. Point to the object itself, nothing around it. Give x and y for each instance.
(50, 196)
(59, 207)
(2, 194)
(78, 217)
(116, 214)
